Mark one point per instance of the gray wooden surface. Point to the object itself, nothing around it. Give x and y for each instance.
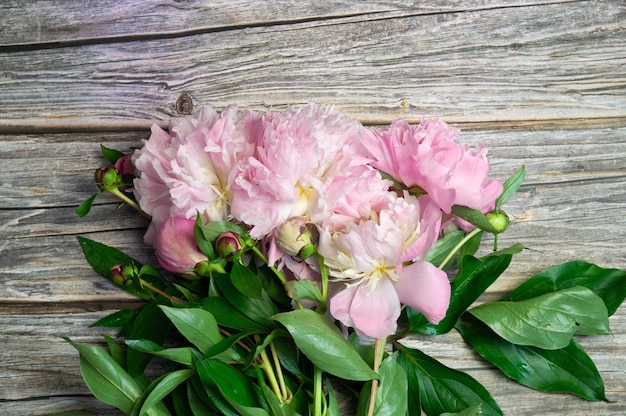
(541, 83)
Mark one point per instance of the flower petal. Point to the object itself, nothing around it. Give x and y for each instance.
(372, 311)
(425, 288)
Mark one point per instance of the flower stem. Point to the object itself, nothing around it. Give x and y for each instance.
(458, 247)
(269, 372)
(120, 195)
(324, 275)
(277, 272)
(317, 391)
(161, 292)
(379, 348)
(281, 379)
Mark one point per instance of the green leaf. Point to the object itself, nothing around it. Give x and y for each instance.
(276, 407)
(333, 405)
(105, 378)
(203, 405)
(566, 370)
(111, 155)
(115, 350)
(474, 217)
(195, 324)
(238, 391)
(472, 245)
(181, 355)
(213, 229)
(303, 289)
(474, 277)
(441, 388)
(259, 310)
(511, 186)
(246, 281)
(444, 246)
(547, 321)
(150, 324)
(392, 393)
(474, 410)
(226, 315)
(120, 319)
(609, 284)
(102, 257)
(164, 387)
(322, 342)
(85, 206)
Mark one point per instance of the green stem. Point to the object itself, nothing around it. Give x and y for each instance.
(281, 275)
(378, 357)
(324, 275)
(458, 247)
(161, 292)
(317, 391)
(119, 194)
(281, 379)
(277, 272)
(269, 372)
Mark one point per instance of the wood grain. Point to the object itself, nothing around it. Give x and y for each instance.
(541, 83)
(543, 62)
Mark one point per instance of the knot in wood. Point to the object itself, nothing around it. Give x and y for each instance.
(184, 104)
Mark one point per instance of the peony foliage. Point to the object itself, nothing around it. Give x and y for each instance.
(297, 251)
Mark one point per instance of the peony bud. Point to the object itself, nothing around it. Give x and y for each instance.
(108, 178)
(176, 247)
(125, 167)
(499, 220)
(298, 237)
(228, 244)
(122, 274)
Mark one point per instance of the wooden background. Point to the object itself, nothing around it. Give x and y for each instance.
(541, 83)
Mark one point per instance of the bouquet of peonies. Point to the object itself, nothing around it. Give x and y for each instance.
(298, 248)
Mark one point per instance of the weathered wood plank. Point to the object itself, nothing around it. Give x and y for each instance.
(41, 369)
(540, 63)
(45, 24)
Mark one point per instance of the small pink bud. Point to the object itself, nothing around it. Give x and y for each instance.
(176, 247)
(108, 178)
(298, 237)
(122, 274)
(228, 244)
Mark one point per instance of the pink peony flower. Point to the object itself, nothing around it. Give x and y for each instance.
(428, 156)
(368, 258)
(176, 247)
(187, 170)
(297, 152)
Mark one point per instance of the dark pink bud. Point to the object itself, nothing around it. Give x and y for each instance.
(122, 274)
(176, 247)
(125, 167)
(228, 244)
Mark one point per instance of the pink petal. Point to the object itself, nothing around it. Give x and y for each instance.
(426, 289)
(371, 311)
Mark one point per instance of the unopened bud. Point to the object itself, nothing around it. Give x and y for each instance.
(298, 237)
(122, 274)
(228, 244)
(176, 247)
(499, 220)
(108, 178)
(125, 167)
